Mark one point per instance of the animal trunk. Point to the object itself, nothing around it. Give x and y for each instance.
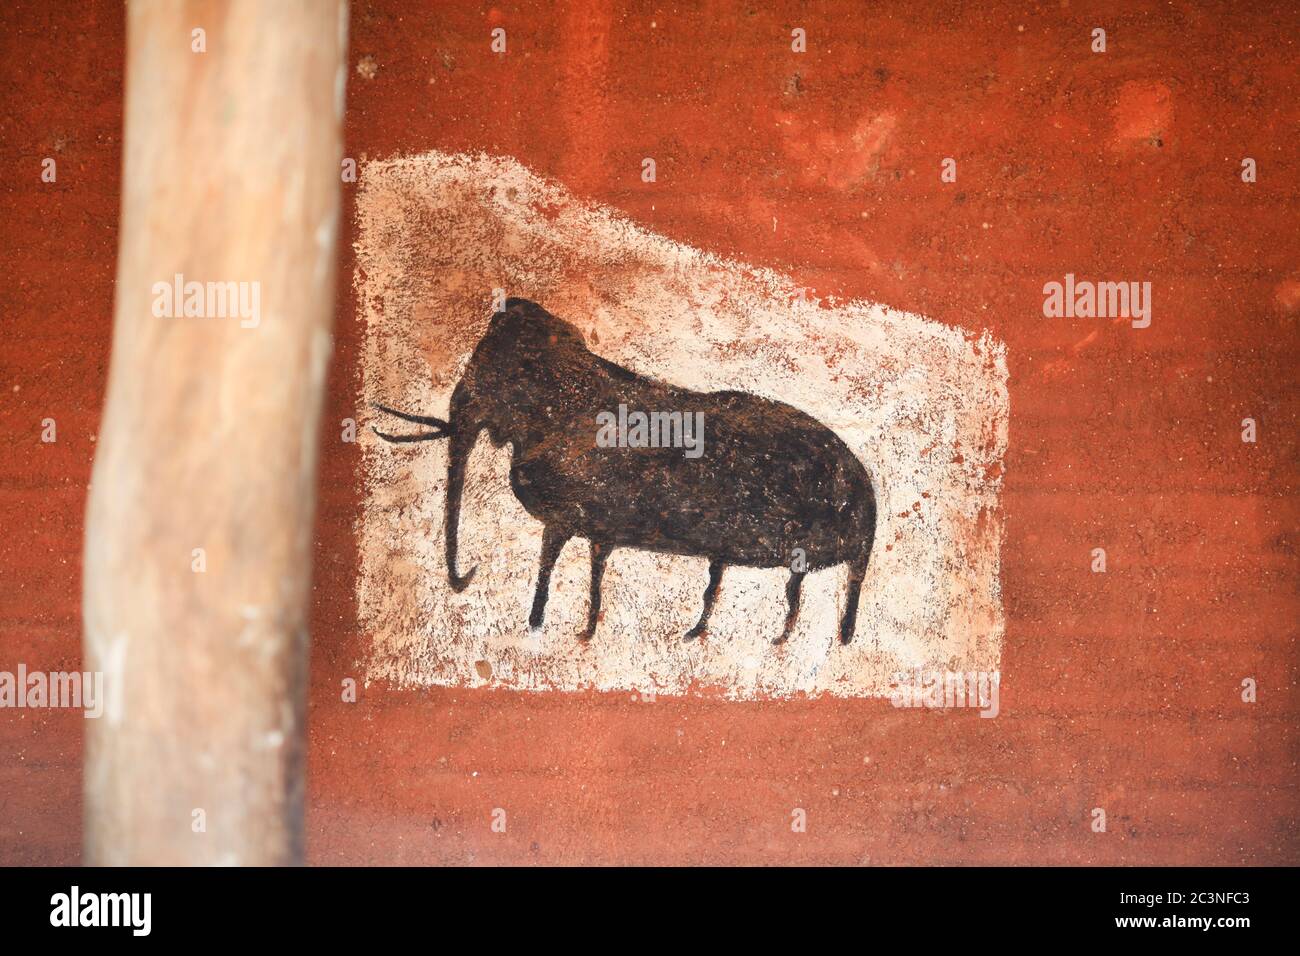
(462, 442)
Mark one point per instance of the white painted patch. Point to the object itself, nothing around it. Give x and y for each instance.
(923, 405)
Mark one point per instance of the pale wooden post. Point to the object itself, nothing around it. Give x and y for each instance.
(199, 532)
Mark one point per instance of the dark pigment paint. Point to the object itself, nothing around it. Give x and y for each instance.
(773, 487)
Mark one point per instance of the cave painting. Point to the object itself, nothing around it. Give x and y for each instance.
(576, 467)
(769, 487)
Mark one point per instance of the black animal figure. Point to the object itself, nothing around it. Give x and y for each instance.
(770, 486)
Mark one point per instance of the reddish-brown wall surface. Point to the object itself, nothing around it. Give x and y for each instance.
(1120, 690)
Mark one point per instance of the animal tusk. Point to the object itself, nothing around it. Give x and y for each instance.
(415, 419)
(398, 439)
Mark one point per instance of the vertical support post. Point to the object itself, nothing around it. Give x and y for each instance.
(199, 530)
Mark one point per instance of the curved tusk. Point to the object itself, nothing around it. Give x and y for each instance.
(414, 419)
(400, 439)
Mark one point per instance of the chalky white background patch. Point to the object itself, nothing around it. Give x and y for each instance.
(923, 405)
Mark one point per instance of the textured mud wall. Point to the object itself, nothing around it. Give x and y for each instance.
(1123, 689)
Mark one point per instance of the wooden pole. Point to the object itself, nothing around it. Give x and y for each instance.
(199, 530)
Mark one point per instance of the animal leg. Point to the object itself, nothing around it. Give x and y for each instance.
(710, 594)
(856, 574)
(792, 590)
(552, 544)
(599, 555)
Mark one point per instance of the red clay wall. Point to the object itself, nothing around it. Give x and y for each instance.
(1120, 690)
